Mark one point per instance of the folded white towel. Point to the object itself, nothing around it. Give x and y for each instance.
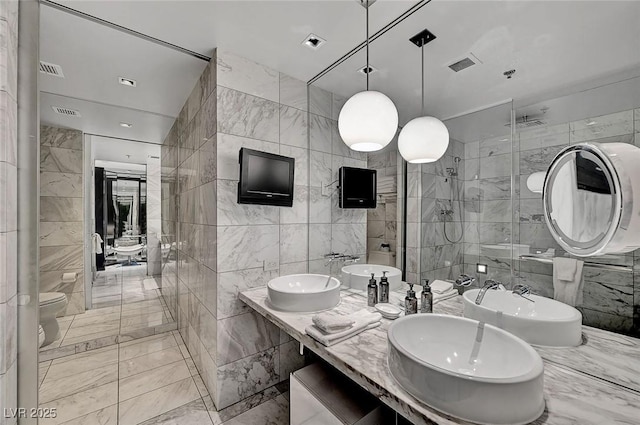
(445, 296)
(565, 267)
(363, 319)
(440, 286)
(332, 322)
(568, 291)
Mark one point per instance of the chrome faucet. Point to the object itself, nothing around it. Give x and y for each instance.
(523, 291)
(488, 284)
(465, 280)
(336, 256)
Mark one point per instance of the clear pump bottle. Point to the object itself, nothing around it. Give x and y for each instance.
(384, 288)
(426, 299)
(372, 291)
(410, 302)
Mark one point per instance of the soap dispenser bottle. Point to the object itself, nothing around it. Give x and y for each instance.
(426, 299)
(372, 291)
(384, 288)
(410, 302)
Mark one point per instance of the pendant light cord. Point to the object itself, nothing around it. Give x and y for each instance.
(422, 75)
(368, 69)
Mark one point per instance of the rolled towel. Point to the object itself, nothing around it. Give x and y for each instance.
(332, 322)
(363, 319)
(440, 286)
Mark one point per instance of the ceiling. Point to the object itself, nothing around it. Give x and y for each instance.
(122, 151)
(553, 45)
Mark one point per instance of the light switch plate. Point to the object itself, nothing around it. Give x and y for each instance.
(270, 265)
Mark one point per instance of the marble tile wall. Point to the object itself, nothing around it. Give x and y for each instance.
(611, 299)
(331, 228)
(220, 247)
(487, 207)
(8, 213)
(382, 223)
(61, 214)
(441, 254)
(154, 216)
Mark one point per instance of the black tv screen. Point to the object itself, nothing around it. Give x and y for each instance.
(265, 178)
(358, 187)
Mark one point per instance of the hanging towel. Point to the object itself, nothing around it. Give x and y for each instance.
(332, 322)
(440, 286)
(363, 320)
(567, 280)
(96, 241)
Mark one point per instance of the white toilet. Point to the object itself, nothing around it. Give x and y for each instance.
(383, 258)
(51, 303)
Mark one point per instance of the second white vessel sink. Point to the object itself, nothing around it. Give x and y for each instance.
(467, 369)
(538, 320)
(304, 292)
(357, 276)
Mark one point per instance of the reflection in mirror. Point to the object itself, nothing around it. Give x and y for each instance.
(581, 197)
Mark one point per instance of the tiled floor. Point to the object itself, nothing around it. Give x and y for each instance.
(146, 381)
(125, 300)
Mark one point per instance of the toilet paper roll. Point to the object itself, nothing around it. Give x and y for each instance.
(69, 277)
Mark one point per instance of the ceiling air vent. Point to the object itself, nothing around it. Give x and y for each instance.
(51, 69)
(462, 64)
(66, 111)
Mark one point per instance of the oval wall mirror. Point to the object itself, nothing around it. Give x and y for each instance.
(588, 197)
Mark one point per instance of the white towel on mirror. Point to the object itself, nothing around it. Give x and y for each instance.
(364, 319)
(567, 280)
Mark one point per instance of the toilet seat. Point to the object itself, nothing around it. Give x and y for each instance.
(47, 298)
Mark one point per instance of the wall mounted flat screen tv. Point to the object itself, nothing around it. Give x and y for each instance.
(358, 188)
(265, 178)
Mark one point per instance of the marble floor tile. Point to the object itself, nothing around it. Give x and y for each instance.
(81, 329)
(82, 362)
(194, 413)
(53, 389)
(157, 402)
(43, 367)
(80, 404)
(105, 416)
(150, 380)
(72, 340)
(149, 361)
(141, 347)
(87, 320)
(273, 412)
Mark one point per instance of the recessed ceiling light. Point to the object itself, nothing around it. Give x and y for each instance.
(126, 125)
(127, 81)
(314, 42)
(367, 70)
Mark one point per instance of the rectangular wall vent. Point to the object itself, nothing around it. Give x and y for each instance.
(51, 69)
(462, 64)
(66, 111)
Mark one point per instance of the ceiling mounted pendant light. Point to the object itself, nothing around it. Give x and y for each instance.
(423, 139)
(369, 119)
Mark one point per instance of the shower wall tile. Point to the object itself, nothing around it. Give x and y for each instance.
(611, 125)
(320, 101)
(230, 284)
(336, 106)
(294, 243)
(321, 236)
(249, 77)
(293, 127)
(293, 92)
(320, 169)
(245, 335)
(241, 114)
(60, 160)
(61, 184)
(299, 212)
(247, 376)
(495, 166)
(245, 247)
(319, 133)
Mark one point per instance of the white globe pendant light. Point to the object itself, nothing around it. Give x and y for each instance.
(369, 119)
(423, 139)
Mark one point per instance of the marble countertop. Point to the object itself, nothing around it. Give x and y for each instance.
(596, 383)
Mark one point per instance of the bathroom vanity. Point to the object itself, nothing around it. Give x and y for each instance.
(595, 383)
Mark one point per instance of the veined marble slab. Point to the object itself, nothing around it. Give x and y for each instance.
(364, 359)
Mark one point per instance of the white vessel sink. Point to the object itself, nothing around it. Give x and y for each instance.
(304, 292)
(542, 322)
(467, 369)
(357, 276)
